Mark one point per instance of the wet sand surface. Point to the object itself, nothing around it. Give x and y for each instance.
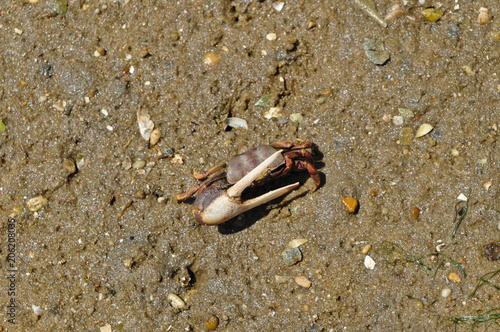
(108, 241)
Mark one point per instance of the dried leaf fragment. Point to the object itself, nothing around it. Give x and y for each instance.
(145, 124)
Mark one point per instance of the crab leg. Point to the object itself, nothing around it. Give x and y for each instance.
(238, 187)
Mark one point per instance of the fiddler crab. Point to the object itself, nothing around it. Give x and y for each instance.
(219, 195)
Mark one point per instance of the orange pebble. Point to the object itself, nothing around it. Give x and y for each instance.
(351, 204)
(415, 212)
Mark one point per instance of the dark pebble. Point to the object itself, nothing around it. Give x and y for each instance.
(492, 251)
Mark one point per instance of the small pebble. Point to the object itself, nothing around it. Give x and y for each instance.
(446, 292)
(271, 36)
(432, 14)
(291, 256)
(419, 305)
(155, 136)
(36, 203)
(139, 164)
(69, 166)
(127, 263)
(100, 51)
(375, 51)
(211, 59)
(397, 120)
(483, 16)
(454, 277)
(455, 153)
(369, 263)
(212, 323)
(351, 204)
(174, 36)
(303, 281)
(492, 251)
(295, 243)
(384, 211)
(415, 212)
(176, 302)
(366, 249)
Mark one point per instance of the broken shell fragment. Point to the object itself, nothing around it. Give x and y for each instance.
(295, 243)
(176, 302)
(36, 203)
(211, 59)
(145, 124)
(483, 16)
(236, 123)
(424, 130)
(369, 262)
(303, 281)
(368, 7)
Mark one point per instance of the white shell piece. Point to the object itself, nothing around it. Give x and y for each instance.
(423, 130)
(369, 262)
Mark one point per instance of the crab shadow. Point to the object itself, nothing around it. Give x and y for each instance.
(247, 219)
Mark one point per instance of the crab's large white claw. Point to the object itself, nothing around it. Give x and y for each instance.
(224, 205)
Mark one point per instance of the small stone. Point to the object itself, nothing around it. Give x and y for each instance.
(295, 243)
(483, 16)
(271, 36)
(174, 36)
(176, 302)
(446, 292)
(397, 120)
(303, 281)
(366, 249)
(177, 159)
(281, 279)
(351, 204)
(127, 263)
(212, 323)
(432, 14)
(419, 305)
(296, 117)
(155, 136)
(138, 164)
(415, 212)
(291, 256)
(423, 130)
(455, 153)
(488, 184)
(69, 166)
(274, 112)
(100, 51)
(36, 203)
(211, 59)
(454, 277)
(369, 262)
(375, 51)
(105, 328)
(492, 251)
(18, 31)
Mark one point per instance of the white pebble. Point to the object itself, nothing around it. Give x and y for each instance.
(176, 301)
(110, 128)
(18, 31)
(455, 153)
(369, 262)
(397, 120)
(446, 292)
(104, 111)
(132, 69)
(271, 36)
(462, 197)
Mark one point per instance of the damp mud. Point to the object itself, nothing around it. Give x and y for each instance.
(93, 238)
